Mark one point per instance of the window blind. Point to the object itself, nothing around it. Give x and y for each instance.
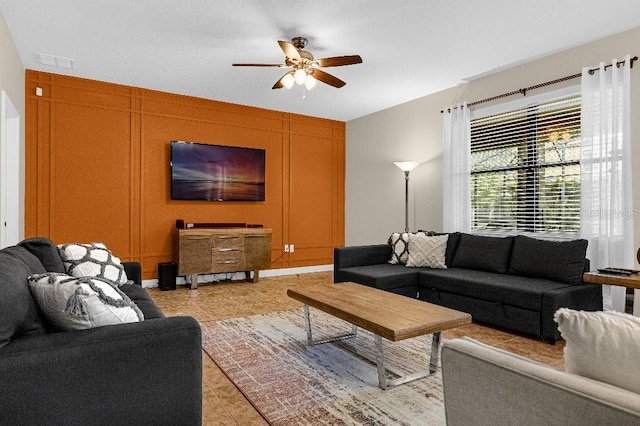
(525, 169)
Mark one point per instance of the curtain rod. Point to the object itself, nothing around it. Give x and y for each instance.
(537, 86)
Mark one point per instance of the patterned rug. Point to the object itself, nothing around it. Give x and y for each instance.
(291, 383)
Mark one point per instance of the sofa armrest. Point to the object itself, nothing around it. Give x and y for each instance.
(585, 297)
(484, 386)
(133, 271)
(146, 373)
(346, 257)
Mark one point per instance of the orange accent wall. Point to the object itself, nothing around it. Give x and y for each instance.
(97, 169)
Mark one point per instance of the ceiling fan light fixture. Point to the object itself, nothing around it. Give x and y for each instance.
(300, 76)
(288, 81)
(304, 68)
(310, 82)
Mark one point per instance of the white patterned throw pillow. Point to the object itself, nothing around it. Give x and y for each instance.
(399, 248)
(71, 303)
(92, 260)
(427, 251)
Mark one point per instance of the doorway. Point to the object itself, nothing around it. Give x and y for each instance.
(9, 173)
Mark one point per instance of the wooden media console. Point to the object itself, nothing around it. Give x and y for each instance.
(219, 250)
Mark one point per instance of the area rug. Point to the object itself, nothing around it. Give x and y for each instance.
(291, 383)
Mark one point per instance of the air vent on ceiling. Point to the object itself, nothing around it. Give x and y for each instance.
(55, 61)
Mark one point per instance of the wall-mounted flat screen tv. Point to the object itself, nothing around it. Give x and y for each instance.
(216, 172)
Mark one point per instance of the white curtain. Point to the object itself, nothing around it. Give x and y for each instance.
(606, 199)
(456, 168)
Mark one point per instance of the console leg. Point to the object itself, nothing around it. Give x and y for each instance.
(194, 282)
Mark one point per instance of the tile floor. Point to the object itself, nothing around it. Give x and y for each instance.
(223, 404)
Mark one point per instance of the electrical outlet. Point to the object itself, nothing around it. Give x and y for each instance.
(291, 248)
(286, 248)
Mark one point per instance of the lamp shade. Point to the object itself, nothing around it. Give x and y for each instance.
(406, 166)
(288, 81)
(300, 76)
(310, 82)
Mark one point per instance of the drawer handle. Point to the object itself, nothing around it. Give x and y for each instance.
(228, 262)
(256, 236)
(228, 237)
(198, 238)
(228, 249)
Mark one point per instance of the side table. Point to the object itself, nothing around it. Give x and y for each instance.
(628, 281)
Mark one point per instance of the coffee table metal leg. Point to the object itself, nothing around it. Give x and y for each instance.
(307, 323)
(310, 341)
(383, 381)
(382, 372)
(386, 383)
(435, 352)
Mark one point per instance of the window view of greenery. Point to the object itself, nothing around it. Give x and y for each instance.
(525, 169)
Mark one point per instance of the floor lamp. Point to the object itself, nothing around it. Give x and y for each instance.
(406, 167)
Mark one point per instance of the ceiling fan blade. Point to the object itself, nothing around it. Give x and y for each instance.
(259, 65)
(328, 78)
(289, 49)
(279, 84)
(338, 61)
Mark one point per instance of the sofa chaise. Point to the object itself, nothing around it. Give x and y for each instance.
(144, 373)
(516, 283)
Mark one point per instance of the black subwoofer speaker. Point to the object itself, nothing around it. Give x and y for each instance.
(167, 275)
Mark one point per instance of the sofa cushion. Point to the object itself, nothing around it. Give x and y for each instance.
(554, 260)
(482, 253)
(19, 313)
(383, 276)
(71, 303)
(425, 251)
(399, 243)
(452, 246)
(92, 260)
(603, 346)
(46, 251)
(522, 292)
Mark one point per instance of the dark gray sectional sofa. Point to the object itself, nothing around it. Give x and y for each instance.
(516, 283)
(142, 373)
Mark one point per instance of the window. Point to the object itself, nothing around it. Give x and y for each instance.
(525, 169)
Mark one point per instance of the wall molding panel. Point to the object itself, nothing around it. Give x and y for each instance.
(97, 169)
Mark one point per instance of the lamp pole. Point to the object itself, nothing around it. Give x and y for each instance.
(406, 201)
(406, 167)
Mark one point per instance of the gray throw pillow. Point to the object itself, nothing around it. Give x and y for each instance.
(561, 261)
(71, 303)
(482, 253)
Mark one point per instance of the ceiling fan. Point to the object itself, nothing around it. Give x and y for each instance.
(305, 69)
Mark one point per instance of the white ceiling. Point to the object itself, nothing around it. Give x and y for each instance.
(410, 48)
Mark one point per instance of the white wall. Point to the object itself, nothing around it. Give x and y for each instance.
(413, 131)
(12, 82)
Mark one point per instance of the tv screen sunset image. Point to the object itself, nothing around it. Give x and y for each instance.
(217, 172)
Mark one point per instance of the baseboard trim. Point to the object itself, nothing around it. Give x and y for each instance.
(240, 275)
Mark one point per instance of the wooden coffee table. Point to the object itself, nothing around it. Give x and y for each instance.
(386, 315)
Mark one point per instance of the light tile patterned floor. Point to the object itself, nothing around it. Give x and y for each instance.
(223, 404)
